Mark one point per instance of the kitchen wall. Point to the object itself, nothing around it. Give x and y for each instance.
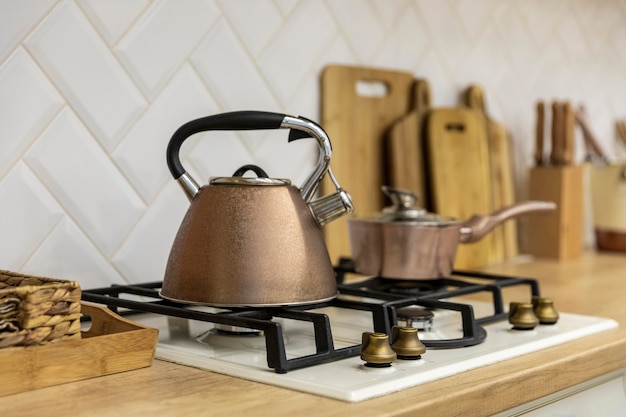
(91, 91)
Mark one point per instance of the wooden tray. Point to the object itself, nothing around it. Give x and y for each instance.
(112, 344)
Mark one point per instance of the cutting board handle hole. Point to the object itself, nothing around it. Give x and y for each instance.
(458, 127)
(372, 88)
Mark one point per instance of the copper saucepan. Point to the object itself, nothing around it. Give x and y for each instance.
(406, 242)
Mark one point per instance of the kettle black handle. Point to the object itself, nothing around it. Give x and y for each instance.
(324, 209)
(238, 120)
(299, 127)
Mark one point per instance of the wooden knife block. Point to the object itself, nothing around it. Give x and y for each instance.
(558, 234)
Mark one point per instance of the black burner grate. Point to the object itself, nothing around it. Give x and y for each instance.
(432, 295)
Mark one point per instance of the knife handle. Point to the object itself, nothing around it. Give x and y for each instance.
(592, 145)
(556, 154)
(539, 133)
(569, 121)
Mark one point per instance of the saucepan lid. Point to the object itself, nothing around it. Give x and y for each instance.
(404, 209)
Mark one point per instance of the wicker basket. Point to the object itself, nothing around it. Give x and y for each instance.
(37, 310)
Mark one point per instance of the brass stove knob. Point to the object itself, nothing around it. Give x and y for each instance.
(375, 350)
(406, 343)
(522, 316)
(544, 310)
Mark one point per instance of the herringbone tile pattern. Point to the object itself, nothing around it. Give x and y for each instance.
(91, 91)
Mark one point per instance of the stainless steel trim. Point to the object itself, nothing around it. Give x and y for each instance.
(310, 183)
(189, 185)
(249, 181)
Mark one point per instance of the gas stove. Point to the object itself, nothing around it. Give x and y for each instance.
(316, 348)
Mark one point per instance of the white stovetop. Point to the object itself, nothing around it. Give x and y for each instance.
(197, 344)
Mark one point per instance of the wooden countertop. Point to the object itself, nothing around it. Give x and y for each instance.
(593, 285)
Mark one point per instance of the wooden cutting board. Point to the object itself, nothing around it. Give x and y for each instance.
(505, 240)
(358, 105)
(460, 179)
(405, 145)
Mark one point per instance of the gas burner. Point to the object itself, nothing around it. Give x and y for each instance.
(218, 339)
(417, 317)
(405, 287)
(226, 329)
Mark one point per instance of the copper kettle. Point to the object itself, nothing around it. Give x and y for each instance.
(253, 241)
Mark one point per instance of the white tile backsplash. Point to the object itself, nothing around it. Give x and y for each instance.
(408, 35)
(296, 48)
(257, 22)
(517, 41)
(361, 25)
(543, 17)
(29, 212)
(217, 154)
(33, 104)
(17, 18)
(74, 56)
(163, 38)
(389, 12)
(483, 62)
(68, 254)
(447, 33)
(112, 18)
(141, 157)
(575, 44)
(286, 6)
(305, 103)
(92, 90)
(152, 237)
(85, 181)
(618, 40)
(230, 71)
(474, 15)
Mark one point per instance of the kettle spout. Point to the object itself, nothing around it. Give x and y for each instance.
(331, 207)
